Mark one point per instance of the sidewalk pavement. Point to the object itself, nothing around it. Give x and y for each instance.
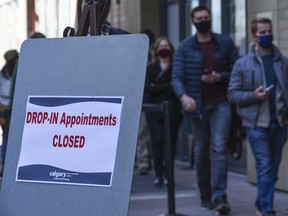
(148, 200)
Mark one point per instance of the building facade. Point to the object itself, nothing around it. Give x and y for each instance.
(171, 18)
(20, 18)
(232, 17)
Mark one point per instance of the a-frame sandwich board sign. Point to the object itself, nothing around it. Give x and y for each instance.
(74, 126)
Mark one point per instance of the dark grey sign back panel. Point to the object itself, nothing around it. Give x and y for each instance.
(77, 66)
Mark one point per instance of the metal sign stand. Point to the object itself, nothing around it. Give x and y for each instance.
(93, 16)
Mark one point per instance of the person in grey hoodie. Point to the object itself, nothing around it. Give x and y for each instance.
(259, 87)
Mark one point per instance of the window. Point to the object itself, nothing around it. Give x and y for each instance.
(190, 29)
(216, 16)
(237, 27)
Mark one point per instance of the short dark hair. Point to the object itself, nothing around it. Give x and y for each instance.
(37, 35)
(150, 35)
(199, 8)
(255, 21)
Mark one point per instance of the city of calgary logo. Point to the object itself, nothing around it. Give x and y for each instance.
(58, 175)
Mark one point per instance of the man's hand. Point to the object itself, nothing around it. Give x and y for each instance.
(260, 93)
(211, 78)
(188, 103)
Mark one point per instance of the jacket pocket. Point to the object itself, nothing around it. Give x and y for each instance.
(249, 80)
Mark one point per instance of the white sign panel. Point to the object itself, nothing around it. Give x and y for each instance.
(70, 140)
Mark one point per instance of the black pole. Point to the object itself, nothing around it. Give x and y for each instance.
(163, 17)
(165, 108)
(182, 19)
(168, 157)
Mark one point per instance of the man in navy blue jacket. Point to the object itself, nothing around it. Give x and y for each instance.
(201, 72)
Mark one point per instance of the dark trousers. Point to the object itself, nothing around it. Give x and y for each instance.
(155, 122)
(5, 132)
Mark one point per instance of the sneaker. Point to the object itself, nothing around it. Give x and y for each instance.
(221, 205)
(206, 205)
(268, 213)
(143, 171)
(158, 182)
(165, 181)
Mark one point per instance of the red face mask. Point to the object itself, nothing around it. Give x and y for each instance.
(164, 52)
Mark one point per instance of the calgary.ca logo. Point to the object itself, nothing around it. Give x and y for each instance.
(58, 174)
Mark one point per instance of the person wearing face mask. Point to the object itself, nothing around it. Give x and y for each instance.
(258, 86)
(158, 88)
(201, 72)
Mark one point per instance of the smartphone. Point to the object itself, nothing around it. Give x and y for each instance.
(207, 71)
(269, 87)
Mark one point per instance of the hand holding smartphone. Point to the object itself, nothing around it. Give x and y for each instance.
(207, 71)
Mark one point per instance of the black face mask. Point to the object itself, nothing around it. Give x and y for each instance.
(203, 26)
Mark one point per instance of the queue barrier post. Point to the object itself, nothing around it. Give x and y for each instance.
(165, 108)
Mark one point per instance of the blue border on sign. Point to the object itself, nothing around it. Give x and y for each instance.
(59, 101)
(46, 173)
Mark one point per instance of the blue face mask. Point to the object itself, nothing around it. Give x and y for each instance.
(265, 41)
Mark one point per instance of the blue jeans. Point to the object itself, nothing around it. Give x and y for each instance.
(211, 136)
(266, 145)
